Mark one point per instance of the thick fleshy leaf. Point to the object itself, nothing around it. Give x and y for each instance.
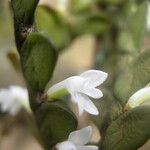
(140, 17)
(132, 35)
(94, 77)
(54, 24)
(114, 2)
(109, 109)
(38, 58)
(135, 77)
(130, 131)
(55, 122)
(91, 23)
(80, 6)
(81, 137)
(24, 10)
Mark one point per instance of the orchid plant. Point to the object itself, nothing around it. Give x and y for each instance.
(118, 28)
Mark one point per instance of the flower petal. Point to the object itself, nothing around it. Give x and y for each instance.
(67, 145)
(88, 147)
(95, 77)
(85, 103)
(81, 137)
(75, 84)
(92, 92)
(19, 93)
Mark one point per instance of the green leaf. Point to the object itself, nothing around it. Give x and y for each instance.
(38, 58)
(80, 6)
(91, 23)
(137, 24)
(134, 77)
(109, 110)
(54, 24)
(110, 3)
(55, 122)
(24, 10)
(134, 26)
(114, 2)
(130, 131)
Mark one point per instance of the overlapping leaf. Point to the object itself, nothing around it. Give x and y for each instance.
(38, 57)
(24, 10)
(55, 122)
(53, 23)
(134, 77)
(130, 131)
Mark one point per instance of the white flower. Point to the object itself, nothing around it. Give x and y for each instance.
(77, 140)
(80, 87)
(13, 99)
(138, 98)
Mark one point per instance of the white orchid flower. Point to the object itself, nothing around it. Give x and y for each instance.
(77, 140)
(138, 98)
(13, 99)
(80, 87)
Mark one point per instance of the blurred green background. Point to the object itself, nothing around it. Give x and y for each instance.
(79, 56)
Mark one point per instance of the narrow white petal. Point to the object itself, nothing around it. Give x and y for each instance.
(92, 92)
(81, 137)
(67, 145)
(80, 109)
(88, 147)
(95, 77)
(57, 87)
(75, 84)
(87, 104)
(139, 97)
